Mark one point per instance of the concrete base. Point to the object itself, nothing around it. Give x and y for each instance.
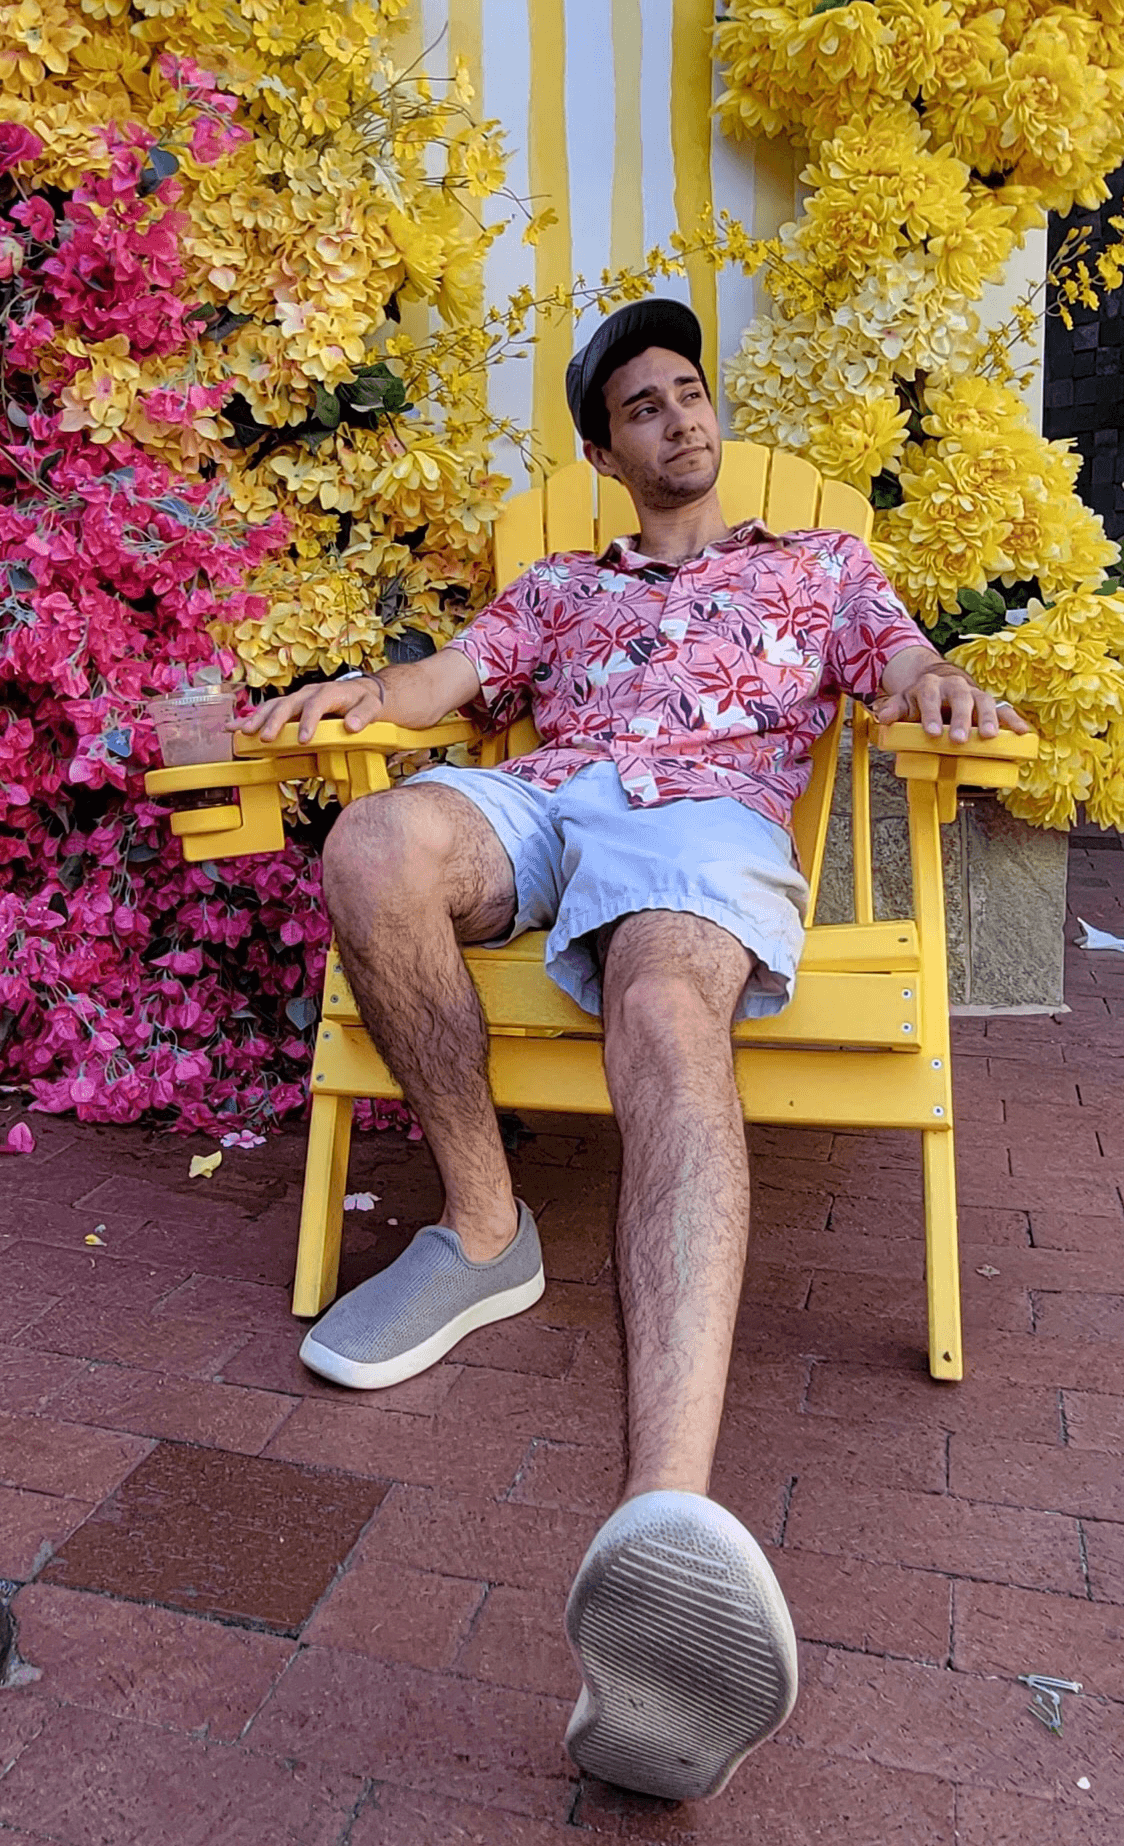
(1005, 889)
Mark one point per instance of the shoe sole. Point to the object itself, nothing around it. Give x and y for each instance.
(685, 1646)
(377, 1376)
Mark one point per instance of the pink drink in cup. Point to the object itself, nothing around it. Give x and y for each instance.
(191, 726)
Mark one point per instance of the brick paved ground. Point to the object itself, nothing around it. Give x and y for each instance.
(265, 1611)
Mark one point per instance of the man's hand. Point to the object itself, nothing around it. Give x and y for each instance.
(413, 695)
(918, 686)
(357, 701)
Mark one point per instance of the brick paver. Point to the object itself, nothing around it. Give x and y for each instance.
(254, 1608)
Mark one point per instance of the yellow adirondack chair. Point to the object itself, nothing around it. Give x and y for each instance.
(865, 1041)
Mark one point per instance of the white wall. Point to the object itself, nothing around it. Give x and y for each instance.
(611, 114)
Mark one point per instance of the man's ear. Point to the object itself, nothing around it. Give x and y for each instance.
(601, 459)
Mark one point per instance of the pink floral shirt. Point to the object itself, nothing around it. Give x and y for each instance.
(712, 679)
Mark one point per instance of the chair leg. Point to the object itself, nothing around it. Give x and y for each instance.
(325, 1182)
(942, 1258)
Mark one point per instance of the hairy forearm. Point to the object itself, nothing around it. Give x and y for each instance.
(408, 698)
(415, 696)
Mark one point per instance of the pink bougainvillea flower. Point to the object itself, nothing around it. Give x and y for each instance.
(20, 1140)
(137, 984)
(36, 216)
(17, 144)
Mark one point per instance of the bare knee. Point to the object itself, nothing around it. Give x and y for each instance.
(663, 1014)
(385, 849)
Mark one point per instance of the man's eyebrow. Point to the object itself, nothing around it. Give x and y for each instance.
(688, 378)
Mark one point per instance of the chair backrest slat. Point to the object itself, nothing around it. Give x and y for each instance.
(569, 508)
(616, 514)
(845, 509)
(517, 536)
(742, 480)
(794, 493)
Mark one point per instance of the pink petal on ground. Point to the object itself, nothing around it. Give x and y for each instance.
(20, 1140)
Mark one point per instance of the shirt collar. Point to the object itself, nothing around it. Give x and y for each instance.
(621, 555)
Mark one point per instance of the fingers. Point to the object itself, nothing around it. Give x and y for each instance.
(961, 696)
(1011, 720)
(358, 702)
(934, 695)
(928, 695)
(268, 719)
(892, 708)
(987, 714)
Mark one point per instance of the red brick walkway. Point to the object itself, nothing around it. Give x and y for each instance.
(265, 1611)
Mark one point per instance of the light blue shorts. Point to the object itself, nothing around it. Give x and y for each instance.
(583, 858)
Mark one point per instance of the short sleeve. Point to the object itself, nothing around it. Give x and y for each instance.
(870, 625)
(503, 643)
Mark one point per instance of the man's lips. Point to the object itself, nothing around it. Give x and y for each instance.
(685, 454)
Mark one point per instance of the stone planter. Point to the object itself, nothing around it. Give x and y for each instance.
(1005, 888)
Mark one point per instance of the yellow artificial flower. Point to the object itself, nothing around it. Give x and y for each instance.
(36, 39)
(968, 404)
(100, 398)
(859, 440)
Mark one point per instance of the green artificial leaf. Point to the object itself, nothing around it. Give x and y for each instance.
(159, 166)
(17, 414)
(829, 6)
(326, 409)
(412, 644)
(303, 1012)
(366, 394)
(886, 490)
(20, 577)
(984, 622)
(946, 633)
(971, 602)
(224, 323)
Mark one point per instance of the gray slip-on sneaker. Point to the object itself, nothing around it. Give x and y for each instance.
(685, 1645)
(411, 1314)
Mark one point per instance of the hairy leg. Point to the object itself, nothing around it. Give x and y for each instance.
(671, 982)
(407, 875)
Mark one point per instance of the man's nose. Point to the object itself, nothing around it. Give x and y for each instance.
(680, 421)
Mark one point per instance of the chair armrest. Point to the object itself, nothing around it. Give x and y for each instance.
(332, 735)
(980, 762)
(916, 740)
(355, 761)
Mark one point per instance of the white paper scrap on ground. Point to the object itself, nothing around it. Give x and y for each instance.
(1099, 938)
(1084, 1782)
(360, 1201)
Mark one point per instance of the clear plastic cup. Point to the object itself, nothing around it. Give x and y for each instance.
(191, 726)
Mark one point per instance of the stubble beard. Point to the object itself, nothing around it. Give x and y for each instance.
(664, 493)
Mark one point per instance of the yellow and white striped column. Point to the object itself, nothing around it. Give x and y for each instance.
(606, 104)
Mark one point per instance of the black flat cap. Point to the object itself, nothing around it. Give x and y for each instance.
(658, 321)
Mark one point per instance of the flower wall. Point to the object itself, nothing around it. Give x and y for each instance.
(211, 221)
(938, 132)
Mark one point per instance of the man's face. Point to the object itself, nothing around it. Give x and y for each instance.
(665, 442)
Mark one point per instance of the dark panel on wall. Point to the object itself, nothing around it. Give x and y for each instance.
(1084, 383)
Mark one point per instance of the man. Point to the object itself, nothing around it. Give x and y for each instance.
(678, 683)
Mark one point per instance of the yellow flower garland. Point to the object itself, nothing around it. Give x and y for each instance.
(939, 131)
